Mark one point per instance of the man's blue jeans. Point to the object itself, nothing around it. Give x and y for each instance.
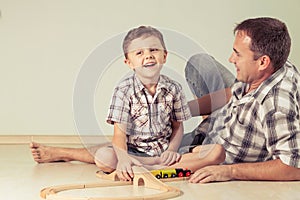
(204, 75)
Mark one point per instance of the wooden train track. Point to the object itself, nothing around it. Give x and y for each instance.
(142, 177)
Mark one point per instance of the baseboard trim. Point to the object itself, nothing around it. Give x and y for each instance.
(53, 139)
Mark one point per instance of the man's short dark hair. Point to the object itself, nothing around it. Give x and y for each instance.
(269, 36)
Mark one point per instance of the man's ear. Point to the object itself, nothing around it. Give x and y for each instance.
(264, 62)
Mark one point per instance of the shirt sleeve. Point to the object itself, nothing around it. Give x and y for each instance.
(284, 136)
(181, 109)
(119, 108)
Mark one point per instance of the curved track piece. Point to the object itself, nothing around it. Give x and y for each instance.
(142, 178)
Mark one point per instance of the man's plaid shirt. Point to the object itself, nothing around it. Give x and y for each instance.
(261, 125)
(130, 107)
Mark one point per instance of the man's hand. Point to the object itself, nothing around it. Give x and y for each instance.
(212, 173)
(169, 157)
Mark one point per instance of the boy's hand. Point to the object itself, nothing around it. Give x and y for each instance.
(124, 167)
(169, 157)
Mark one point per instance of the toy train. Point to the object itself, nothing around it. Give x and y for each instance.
(171, 173)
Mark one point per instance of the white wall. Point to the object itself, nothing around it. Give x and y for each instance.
(43, 45)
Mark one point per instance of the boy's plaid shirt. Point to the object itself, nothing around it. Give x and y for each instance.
(130, 107)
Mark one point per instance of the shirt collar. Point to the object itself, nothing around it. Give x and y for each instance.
(139, 87)
(260, 93)
(269, 83)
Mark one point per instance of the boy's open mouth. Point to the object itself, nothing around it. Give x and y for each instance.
(149, 64)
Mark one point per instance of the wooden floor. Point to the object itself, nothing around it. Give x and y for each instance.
(22, 179)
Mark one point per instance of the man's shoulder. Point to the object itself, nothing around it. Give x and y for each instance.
(291, 78)
(292, 72)
(284, 93)
(285, 79)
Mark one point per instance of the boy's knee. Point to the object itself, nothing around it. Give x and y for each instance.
(219, 155)
(215, 153)
(105, 159)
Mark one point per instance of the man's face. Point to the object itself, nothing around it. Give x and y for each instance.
(146, 56)
(243, 59)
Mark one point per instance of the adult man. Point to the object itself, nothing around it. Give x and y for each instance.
(259, 127)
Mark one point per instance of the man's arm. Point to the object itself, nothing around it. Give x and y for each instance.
(273, 170)
(210, 102)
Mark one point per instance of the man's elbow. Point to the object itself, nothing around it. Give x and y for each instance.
(289, 173)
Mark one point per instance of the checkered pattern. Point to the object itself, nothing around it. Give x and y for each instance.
(129, 106)
(261, 125)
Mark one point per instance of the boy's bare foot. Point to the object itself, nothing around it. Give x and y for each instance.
(46, 154)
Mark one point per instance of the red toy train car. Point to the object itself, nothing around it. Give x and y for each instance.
(171, 173)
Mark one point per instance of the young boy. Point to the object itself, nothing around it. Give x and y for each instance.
(147, 109)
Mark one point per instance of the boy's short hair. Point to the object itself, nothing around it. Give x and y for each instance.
(142, 31)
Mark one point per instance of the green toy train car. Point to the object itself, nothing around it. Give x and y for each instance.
(171, 173)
